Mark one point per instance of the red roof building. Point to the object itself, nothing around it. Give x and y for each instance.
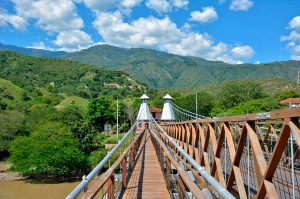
(156, 113)
(292, 102)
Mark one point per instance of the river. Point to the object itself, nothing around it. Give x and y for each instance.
(20, 189)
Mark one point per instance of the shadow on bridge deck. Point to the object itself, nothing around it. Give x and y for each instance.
(146, 180)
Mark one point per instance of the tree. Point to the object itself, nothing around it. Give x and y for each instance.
(287, 94)
(10, 125)
(3, 105)
(100, 112)
(51, 150)
(131, 109)
(234, 92)
(254, 106)
(204, 102)
(81, 129)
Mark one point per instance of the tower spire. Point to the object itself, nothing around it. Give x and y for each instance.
(168, 113)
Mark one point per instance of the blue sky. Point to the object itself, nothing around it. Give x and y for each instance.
(233, 31)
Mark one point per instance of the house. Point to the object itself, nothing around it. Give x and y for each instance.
(156, 113)
(291, 102)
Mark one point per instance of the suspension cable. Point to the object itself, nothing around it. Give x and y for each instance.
(190, 113)
(184, 114)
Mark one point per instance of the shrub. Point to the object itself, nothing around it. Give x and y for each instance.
(51, 150)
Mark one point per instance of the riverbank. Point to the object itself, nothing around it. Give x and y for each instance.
(13, 185)
(5, 174)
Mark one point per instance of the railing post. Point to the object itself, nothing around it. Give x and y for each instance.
(181, 188)
(131, 158)
(161, 158)
(110, 192)
(124, 169)
(168, 173)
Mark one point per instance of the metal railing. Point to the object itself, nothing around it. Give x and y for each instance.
(87, 179)
(247, 153)
(221, 190)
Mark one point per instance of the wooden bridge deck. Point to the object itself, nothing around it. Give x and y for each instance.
(147, 180)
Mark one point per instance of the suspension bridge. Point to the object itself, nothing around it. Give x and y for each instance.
(186, 155)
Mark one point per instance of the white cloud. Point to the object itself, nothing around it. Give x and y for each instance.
(14, 20)
(295, 57)
(51, 15)
(295, 23)
(160, 6)
(161, 34)
(73, 40)
(180, 3)
(241, 5)
(293, 38)
(100, 5)
(130, 3)
(165, 6)
(144, 32)
(243, 52)
(207, 15)
(40, 45)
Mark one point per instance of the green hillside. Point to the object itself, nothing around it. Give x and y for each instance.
(163, 70)
(271, 87)
(75, 101)
(65, 76)
(9, 90)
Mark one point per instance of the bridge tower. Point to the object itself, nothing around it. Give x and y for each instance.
(168, 113)
(144, 115)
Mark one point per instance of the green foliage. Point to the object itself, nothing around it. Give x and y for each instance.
(97, 156)
(287, 94)
(10, 126)
(51, 150)
(100, 112)
(254, 106)
(114, 139)
(3, 105)
(204, 101)
(81, 129)
(234, 92)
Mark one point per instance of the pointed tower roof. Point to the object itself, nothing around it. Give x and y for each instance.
(144, 97)
(167, 96)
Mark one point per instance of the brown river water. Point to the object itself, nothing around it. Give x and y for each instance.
(20, 189)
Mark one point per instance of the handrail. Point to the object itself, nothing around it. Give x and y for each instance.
(187, 180)
(86, 179)
(92, 192)
(206, 175)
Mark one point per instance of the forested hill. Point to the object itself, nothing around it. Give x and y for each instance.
(65, 76)
(163, 70)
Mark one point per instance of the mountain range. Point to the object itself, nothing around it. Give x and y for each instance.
(163, 70)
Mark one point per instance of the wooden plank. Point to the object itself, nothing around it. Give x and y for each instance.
(147, 180)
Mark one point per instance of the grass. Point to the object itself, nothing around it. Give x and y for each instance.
(10, 92)
(78, 102)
